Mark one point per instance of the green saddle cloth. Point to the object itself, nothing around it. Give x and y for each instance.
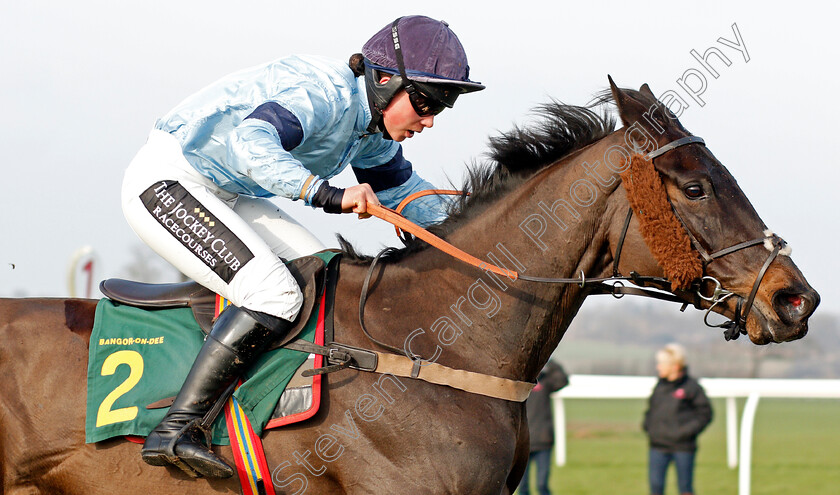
(139, 356)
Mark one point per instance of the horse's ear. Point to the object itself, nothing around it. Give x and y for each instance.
(629, 109)
(645, 90)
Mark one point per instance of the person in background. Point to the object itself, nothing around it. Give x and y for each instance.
(678, 411)
(541, 425)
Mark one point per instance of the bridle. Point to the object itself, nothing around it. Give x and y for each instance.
(732, 328)
(736, 326)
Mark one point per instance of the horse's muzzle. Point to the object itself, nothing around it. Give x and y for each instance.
(791, 308)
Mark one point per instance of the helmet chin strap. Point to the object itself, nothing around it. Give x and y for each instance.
(380, 95)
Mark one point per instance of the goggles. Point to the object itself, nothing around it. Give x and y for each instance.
(428, 100)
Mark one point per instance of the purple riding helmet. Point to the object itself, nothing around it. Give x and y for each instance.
(424, 57)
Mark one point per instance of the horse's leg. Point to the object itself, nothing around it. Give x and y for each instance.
(521, 455)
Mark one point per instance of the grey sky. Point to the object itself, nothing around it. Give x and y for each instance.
(84, 81)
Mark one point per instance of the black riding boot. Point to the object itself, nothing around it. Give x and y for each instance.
(236, 341)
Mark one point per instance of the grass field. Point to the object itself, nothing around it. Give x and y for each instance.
(796, 450)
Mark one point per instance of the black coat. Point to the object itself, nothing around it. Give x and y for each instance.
(540, 423)
(678, 411)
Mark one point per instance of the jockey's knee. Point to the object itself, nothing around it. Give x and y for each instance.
(268, 287)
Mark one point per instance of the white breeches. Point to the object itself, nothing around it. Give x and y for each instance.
(228, 243)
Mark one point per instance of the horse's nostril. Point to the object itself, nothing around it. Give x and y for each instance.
(794, 300)
(793, 305)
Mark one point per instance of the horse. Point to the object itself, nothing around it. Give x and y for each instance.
(548, 204)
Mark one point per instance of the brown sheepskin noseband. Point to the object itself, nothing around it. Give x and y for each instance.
(663, 233)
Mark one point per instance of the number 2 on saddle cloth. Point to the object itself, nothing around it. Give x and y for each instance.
(139, 356)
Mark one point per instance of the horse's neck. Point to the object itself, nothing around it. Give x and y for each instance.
(546, 227)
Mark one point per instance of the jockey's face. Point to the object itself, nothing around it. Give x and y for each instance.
(400, 119)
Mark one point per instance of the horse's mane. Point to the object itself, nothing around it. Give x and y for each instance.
(513, 157)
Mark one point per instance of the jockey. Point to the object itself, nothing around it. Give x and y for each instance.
(195, 192)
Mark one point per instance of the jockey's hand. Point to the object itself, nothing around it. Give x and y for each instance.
(356, 198)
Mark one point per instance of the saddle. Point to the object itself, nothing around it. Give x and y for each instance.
(308, 271)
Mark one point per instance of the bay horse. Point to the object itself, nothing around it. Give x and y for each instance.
(548, 205)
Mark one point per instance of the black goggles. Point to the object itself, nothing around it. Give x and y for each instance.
(427, 99)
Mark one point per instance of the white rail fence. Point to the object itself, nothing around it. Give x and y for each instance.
(640, 387)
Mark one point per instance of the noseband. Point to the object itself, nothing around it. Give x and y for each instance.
(737, 325)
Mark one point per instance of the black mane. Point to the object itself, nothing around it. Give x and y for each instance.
(515, 156)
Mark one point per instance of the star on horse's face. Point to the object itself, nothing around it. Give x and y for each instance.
(718, 215)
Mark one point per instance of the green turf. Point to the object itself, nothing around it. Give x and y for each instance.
(796, 450)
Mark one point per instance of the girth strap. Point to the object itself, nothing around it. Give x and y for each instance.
(468, 381)
(342, 356)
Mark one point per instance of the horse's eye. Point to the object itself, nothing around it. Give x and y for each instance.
(694, 191)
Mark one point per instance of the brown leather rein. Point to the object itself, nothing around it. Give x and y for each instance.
(732, 328)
